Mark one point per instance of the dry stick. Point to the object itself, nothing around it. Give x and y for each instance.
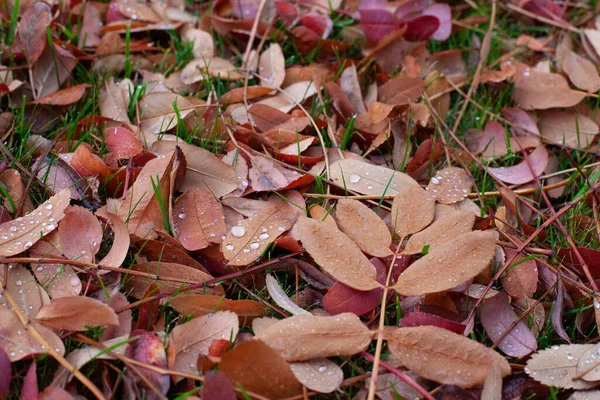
(40, 339)
(400, 375)
(379, 345)
(261, 7)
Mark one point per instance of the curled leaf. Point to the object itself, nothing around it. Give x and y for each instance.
(279, 296)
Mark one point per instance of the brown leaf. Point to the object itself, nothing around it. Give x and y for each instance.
(114, 99)
(237, 95)
(437, 354)
(118, 252)
(557, 366)
(581, 72)
(193, 338)
(280, 297)
(260, 369)
(197, 305)
(80, 234)
(246, 242)
(58, 175)
(266, 174)
(271, 66)
(522, 172)
(19, 235)
(443, 230)
(369, 179)
(492, 387)
(336, 254)
(171, 276)
(16, 191)
(401, 90)
(75, 313)
(137, 11)
(216, 67)
(32, 30)
(521, 279)
(450, 185)
(545, 90)
(116, 302)
(52, 69)
(364, 227)
(322, 375)
(140, 208)
(64, 97)
(198, 220)
(573, 130)
(157, 113)
(18, 344)
(306, 337)
(122, 142)
(351, 87)
(26, 292)
(204, 170)
(412, 210)
(204, 46)
(448, 265)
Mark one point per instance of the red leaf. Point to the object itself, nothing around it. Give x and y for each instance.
(32, 30)
(420, 319)
(318, 23)
(590, 256)
(287, 12)
(378, 23)
(217, 387)
(421, 28)
(5, 373)
(122, 143)
(149, 349)
(64, 97)
(29, 390)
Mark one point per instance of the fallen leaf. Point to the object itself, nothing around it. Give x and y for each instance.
(306, 337)
(266, 174)
(29, 296)
(216, 67)
(522, 172)
(322, 375)
(64, 97)
(193, 338)
(122, 142)
(422, 319)
(19, 235)
(436, 354)
(157, 113)
(6, 370)
(442, 230)
(80, 234)
(492, 387)
(260, 369)
(197, 305)
(557, 366)
(582, 73)
(587, 366)
(217, 387)
(462, 259)
(401, 90)
(545, 90)
(271, 66)
(450, 185)
(521, 278)
(247, 241)
(351, 87)
(569, 129)
(336, 254)
(281, 299)
(364, 227)
(75, 313)
(198, 220)
(52, 69)
(369, 179)
(120, 246)
(32, 30)
(497, 316)
(412, 210)
(114, 99)
(203, 44)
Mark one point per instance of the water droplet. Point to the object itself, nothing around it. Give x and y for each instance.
(229, 247)
(264, 236)
(48, 206)
(28, 245)
(570, 356)
(354, 178)
(74, 281)
(13, 228)
(181, 215)
(50, 227)
(19, 283)
(435, 181)
(254, 246)
(238, 231)
(322, 368)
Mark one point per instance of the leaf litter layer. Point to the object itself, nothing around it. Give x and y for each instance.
(285, 199)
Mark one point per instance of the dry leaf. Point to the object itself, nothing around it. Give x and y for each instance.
(557, 365)
(437, 354)
(157, 113)
(401, 90)
(198, 220)
(18, 344)
(522, 172)
(369, 179)
(443, 230)
(197, 305)
(322, 375)
(545, 90)
(203, 47)
(351, 87)
(260, 369)
(306, 337)
(75, 313)
(118, 252)
(582, 72)
(336, 254)
(114, 99)
(204, 170)
(280, 298)
(80, 234)
(193, 338)
(448, 265)
(122, 142)
(573, 130)
(364, 227)
(450, 185)
(216, 67)
(271, 66)
(19, 235)
(412, 210)
(64, 97)
(246, 242)
(267, 174)
(492, 388)
(32, 30)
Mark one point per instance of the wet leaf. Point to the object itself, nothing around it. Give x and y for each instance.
(27, 293)
(217, 387)
(412, 210)
(260, 369)
(216, 67)
(19, 235)
(322, 375)
(422, 319)
(75, 313)
(521, 279)
(198, 220)
(557, 366)
(437, 354)
(461, 259)
(246, 242)
(497, 316)
(442, 230)
(266, 174)
(306, 337)
(80, 234)
(364, 227)
(336, 254)
(450, 185)
(492, 388)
